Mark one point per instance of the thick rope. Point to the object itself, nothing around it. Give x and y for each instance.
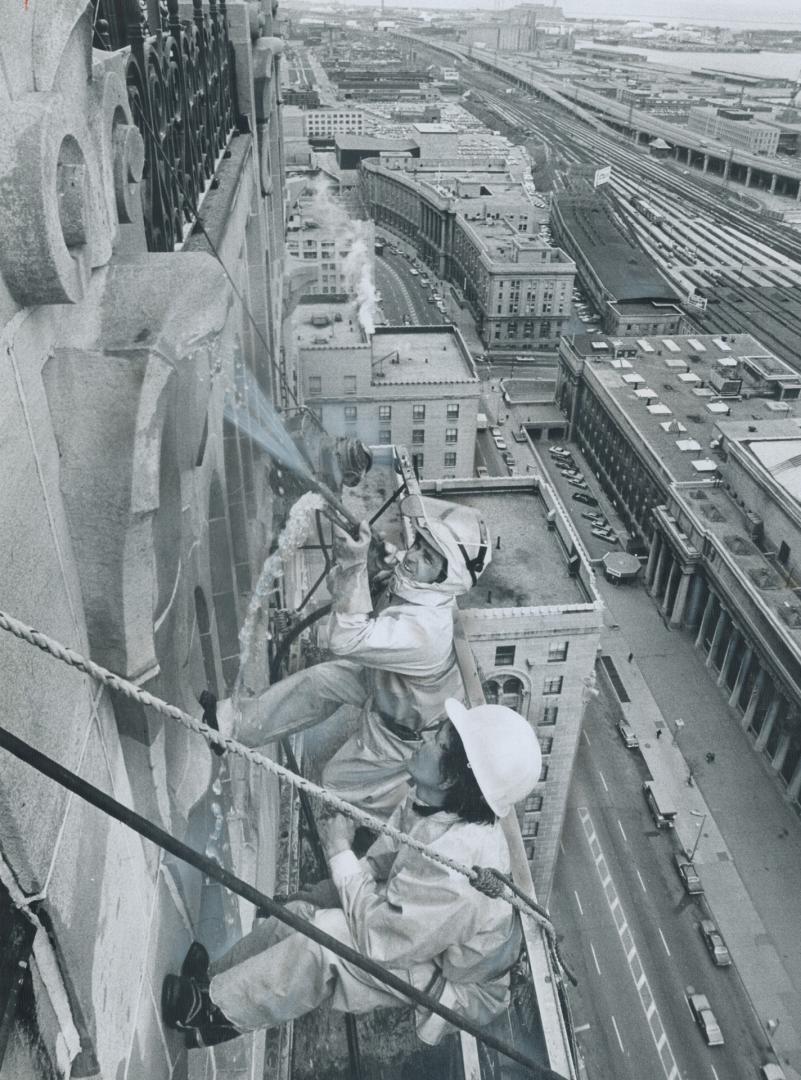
(517, 899)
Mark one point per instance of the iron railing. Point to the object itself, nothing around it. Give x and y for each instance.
(182, 91)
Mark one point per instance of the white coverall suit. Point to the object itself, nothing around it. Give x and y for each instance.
(397, 663)
(422, 920)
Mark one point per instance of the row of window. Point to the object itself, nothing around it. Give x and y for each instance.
(557, 652)
(419, 412)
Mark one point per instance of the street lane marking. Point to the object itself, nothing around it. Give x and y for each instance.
(622, 833)
(581, 909)
(667, 950)
(714, 1072)
(602, 780)
(581, 1027)
(649, 1007)
(641, 881)
(586, 736)
(595, 958)
(620, 1041)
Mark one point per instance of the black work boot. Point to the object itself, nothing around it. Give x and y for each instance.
(196, 964)
(186, 1006)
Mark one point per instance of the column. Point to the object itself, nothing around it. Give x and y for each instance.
(680, 603)
(660, 566)
(781, 752)
(748, 172)
(723, 618)
(794, 784)
(710, 600)
(770, 720)
(674, 570)
(696, 593)
(705, 165)
(748, 715)
(656, 547)
(728, 656)
(741, 674)
(773, 179)
(798, 193)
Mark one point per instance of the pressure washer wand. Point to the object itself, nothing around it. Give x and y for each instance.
(345, 519)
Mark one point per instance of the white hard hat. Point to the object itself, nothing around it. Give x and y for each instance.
(502, 750)
(459, 533)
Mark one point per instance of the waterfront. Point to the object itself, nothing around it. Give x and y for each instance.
(776, 64)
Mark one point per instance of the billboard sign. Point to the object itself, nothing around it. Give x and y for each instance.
(602, 176)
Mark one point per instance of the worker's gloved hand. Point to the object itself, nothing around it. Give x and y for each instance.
(336, 833)
(348, 551)
(382, 558)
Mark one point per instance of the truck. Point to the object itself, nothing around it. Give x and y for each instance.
(482, 423)
(660, 803)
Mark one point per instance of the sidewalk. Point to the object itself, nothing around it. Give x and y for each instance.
(748, 853)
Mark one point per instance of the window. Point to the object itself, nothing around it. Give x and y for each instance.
(418, 412)
(544, 773)
(384, 436)
(451, 434)
(418, 436)
(315, 384)
(504, 655)
(553, 686)
(546, 745)
(784, 552)
(450, 460)
(384, 412)
(417, 462)
(350, 384)
(549, 714)
(530, 825)
(350, 412)
(533, 802)
(557, 651)
(453, 412)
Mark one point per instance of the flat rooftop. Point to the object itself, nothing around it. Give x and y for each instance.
(337, 333)
(674, 390)
(420, 355)
(623, 268)
(529, 569)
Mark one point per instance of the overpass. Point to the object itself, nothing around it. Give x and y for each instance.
(774, 175)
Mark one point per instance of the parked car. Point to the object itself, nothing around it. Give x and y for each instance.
(495, 432)
(559, 451)
(608, 538)
(772, 1071)
(413, 272)
(437, 297)
(481, 471)
(589, 516)
(500, 443)
(431, 300)
(626, 733)
(511, 468)
(519, 435)
(424, 281)
(582, 496)
(713, 939)
(508, 457)
(688, 874)
(576, 481)
(704, 1018)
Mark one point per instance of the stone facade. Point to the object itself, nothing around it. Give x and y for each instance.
(133, 515)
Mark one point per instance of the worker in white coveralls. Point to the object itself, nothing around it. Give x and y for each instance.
(421, 919)
(395, 657)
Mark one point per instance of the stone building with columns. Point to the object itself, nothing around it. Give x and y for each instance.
(696, 442)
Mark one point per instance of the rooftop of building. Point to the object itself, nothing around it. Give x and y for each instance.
(625, 271)
(434, 128)
(370, 142)
(529, 569)
(342, 329)
(419, 354)
(676, 390)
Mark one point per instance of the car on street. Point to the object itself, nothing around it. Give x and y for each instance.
(589, 516)
(713, 939)
(704, 1017)
(511, 468)
(630, 740)
(500, 443)
(424, 281)
(688, 874)
(519, 435)
(772, 1071)
(495, 432)
(582, 496)
(441, 307)
(508, 457)
(608, 538)
(559, 451)
(576, 481)
(431, 300)
(437, 297)
(482, 471)
(413, 272)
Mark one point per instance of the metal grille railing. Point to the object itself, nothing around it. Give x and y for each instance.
(182, 92)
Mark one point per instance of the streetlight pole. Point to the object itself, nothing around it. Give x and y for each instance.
(698, 837)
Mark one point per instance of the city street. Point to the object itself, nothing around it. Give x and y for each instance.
(633, 932)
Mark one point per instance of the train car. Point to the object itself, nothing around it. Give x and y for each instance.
(648, 211)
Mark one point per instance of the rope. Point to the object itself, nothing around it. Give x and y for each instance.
(141, 825)
(513, 896)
